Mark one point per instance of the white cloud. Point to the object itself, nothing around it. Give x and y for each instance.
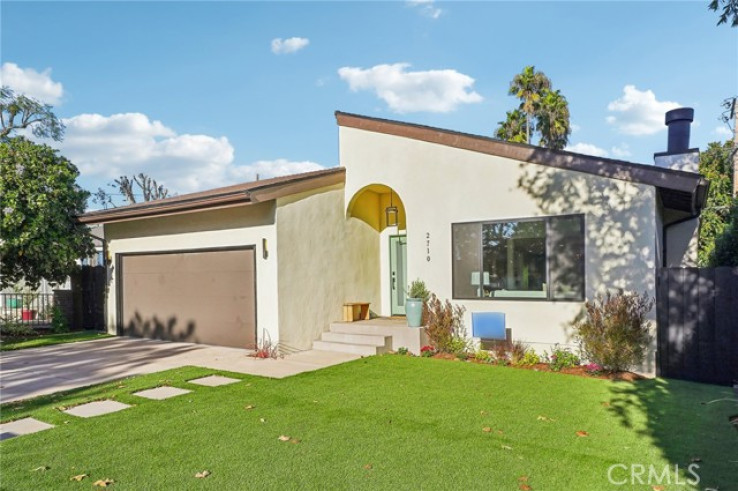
(575, 127)
(723, 131)
(405, 91)
(638, 112)
(105, 147)
(621, 151)
(31, 83)
(426, 8)
(285, 46)
(587, 149)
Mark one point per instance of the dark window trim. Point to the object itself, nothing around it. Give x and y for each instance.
(546, 219)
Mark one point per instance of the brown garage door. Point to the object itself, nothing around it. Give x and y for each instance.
(198, 297)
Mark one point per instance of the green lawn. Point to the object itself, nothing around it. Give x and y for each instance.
(380, 422)
(49, 339)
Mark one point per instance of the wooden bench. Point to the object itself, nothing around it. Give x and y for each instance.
(355, 311)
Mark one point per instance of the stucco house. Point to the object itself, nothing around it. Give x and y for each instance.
(492, 225)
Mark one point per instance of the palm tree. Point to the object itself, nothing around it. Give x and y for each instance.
(514, 128)
(528, 86)
(552, 115)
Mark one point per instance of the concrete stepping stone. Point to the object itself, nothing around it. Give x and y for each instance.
(161, 393)
(96, 408)
(23, 426)
(214, 381)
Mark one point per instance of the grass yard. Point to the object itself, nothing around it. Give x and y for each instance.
(381, 422)
(16, 343)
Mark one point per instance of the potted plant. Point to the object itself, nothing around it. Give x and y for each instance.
(417, 296)
(28, 314)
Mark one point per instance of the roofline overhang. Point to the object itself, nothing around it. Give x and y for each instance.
(219, 198)
(659, 177)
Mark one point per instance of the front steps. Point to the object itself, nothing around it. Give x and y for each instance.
(371, 337)
(357, 344)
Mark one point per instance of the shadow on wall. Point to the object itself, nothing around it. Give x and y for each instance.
(620, 236)
(155, 328)
(689, 422)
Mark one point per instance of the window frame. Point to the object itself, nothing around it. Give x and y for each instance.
(547, 221)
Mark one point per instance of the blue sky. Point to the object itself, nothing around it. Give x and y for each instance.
(199, 94)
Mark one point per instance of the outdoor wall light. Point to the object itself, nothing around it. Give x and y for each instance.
(391, 214)
(264, 250)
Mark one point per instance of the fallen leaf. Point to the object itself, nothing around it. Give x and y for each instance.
(505, 447)
(483, 413)
(78, 477)
(499, 432)
(524, 487)
(262, 420)
(284, 438)
(582, 433)
(523, 478)
(202, 475)
(368, 467)
(295, 440)
(658, 488)
(546, 418)
(486, 429)
(103, 483)
(42, 468)
(606, 404)
(249, 407)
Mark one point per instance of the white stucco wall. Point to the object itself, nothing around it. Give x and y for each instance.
(441, 185)
(681, 244)
(325, 259)
(239, 226)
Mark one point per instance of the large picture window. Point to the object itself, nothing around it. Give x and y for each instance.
(540, 258)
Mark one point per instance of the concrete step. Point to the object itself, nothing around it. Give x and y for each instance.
(357, 349)
(354, 338)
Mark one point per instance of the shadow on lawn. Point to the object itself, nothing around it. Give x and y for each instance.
(688, 422)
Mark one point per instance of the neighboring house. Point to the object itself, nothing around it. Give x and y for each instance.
(493, 226)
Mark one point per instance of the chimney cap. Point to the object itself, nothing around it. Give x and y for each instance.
(679, 114)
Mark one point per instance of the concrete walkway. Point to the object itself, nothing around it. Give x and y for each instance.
(38, 371)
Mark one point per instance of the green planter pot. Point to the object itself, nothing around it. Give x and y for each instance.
(414, 312)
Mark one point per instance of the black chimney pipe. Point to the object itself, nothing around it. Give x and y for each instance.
(679, 122)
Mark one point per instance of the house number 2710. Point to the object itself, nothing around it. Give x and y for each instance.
(427, 246)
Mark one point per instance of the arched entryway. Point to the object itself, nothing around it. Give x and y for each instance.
(382, 208)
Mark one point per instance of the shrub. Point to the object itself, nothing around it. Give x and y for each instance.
(427, 351)
(15, 329)
(562, 358)
(482, 356)
(445, 326)
(518, 349)
(529, 358)
(725, 252)
(614, 331)
(501, 353)
(593, 368)
(402, 351)
(58, 321)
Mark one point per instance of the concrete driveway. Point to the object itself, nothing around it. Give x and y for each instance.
(38, 371)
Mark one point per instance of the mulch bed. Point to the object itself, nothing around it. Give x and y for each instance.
(579, 371)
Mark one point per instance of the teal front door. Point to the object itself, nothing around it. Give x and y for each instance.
(398, 273)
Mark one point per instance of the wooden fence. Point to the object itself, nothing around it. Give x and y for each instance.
(697, 314)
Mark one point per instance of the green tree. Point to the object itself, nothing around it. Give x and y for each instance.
(20, 112)
(514, 128)
(528, 86)
(716, 165)
(730, 11)
(542, 110)
(553, 120)
(39, 200)
(725, 252)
